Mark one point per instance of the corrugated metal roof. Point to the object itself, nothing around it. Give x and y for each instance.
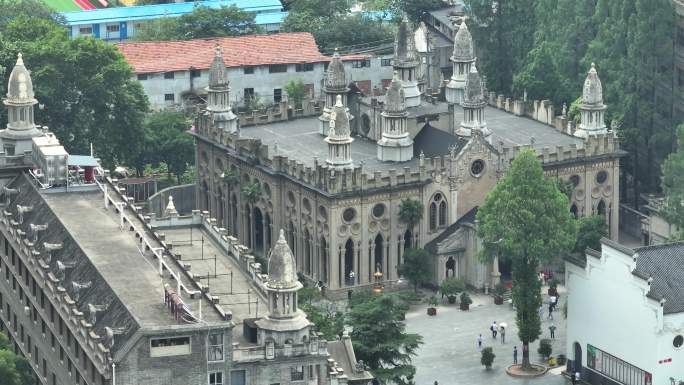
(146, 12)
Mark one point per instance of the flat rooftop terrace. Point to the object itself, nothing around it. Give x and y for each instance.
(116, 255)
(299, 139)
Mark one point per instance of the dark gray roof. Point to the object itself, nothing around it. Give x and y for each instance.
(434, 142)
(665, 264)
(468, 217)
(117, 314)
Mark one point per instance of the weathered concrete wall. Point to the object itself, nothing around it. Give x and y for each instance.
(183, 199)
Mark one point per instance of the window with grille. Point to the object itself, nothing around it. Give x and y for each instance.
(215, 347)
(297, 373)
(215, 378)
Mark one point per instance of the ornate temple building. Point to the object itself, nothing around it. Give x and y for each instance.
(335, 184)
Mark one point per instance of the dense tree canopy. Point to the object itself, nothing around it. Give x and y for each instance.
(526, 219)
(380, 339)
(673, 185)
(14, 370)
(547, 46)
(416, 267)
(167, 141)
(84, 87)
(202, 22)
(414, 9)
(590, 230)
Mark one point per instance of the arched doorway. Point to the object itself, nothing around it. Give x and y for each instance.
(248, 222)
(450, 267)
(573, 210)
(408, 239)
(379, 262)
(601, 208)
(221, 207)
(205, 196)
(291, 240)
(577, 362)
(267, 235)
(234, 215)
(324, 260)
(505, 268)
(259, 231)
(307, 252)
(348, 262)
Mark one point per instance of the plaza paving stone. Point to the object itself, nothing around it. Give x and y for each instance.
(450, 355)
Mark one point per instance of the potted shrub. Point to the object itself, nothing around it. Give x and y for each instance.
(545, 348)
(432, 305)
(487, 358)
(553, 285)
(499, 291)
(451, 287)
(552, 362)
(465, 301)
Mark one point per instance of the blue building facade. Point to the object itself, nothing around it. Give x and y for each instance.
(122, 23)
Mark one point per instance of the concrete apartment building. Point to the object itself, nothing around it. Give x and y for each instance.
(258, 65)
(93, 292)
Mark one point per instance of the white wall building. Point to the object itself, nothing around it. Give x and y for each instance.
(257, 65)
(625, 320)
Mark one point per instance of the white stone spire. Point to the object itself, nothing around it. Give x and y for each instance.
(592, 109)
(405, 62)
(19, 102)
(335, 85)
(395, 145)
(218, 95)
(339, 137)
(462, 59)
(474, 107)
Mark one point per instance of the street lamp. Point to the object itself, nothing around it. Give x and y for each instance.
(378, 288)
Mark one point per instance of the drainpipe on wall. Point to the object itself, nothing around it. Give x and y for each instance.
(113, 373)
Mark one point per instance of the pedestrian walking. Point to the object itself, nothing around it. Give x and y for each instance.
(553, 301)
(576, 378)
(494, 328)
(503, 334)
(552, 330)
(479, 342)
(515, 355)
(550, 312)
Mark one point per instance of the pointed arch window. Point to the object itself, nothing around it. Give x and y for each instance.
(438, 211)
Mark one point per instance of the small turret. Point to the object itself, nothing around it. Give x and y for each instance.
(473, 107)
(395, 145)
(218, 91)
(463, 58)
(592, 109)
(16, 138)
(335, 85)
(339, 137)
(405, 62)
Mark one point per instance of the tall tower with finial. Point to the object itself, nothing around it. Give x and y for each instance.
(339, 137)
(284, 317)
(395, 145)
(218, 90)
(462, 59)
(405, 62)
(592, 109)
(16, 138)
(335, 85)
(474, 107)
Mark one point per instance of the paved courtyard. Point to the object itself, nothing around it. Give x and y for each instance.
(450, 355)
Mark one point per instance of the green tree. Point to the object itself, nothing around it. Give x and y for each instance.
(416, 267)
(202, 22)
(8, 370)
(10, 9)
(414, 9)
(673, 185)
(410, 214)
(251, 192)
(526, 219)
(380, 339)
(168, 141)
(451, 287)
(84, 86)
(590, 230)
(487, 358)
(540, 77)
(295, 91)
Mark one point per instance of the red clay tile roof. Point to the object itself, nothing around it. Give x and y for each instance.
(249, 50)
